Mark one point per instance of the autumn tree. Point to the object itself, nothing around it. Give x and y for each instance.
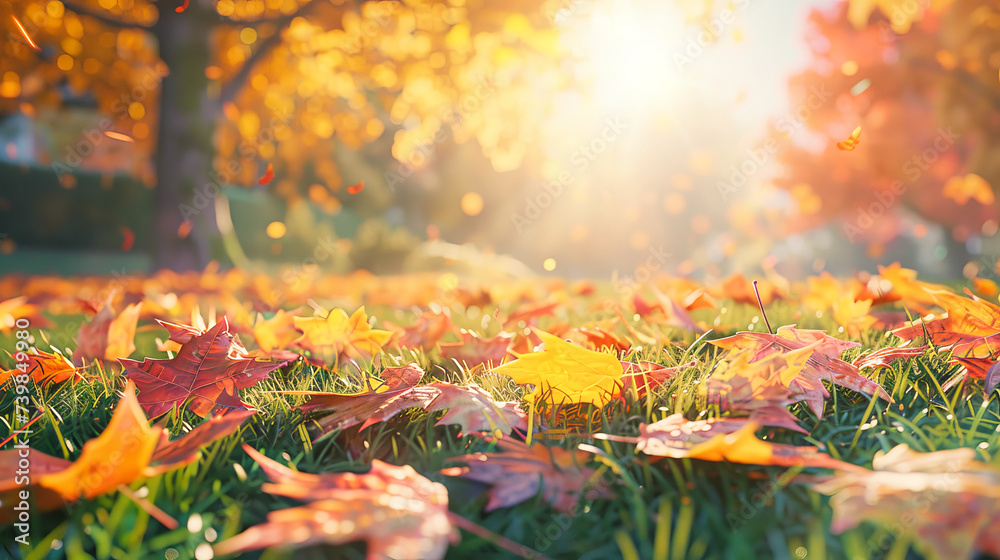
(214, 90)
(920, 78)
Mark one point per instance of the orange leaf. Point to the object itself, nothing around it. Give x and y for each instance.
(355, 189)
(851, 142)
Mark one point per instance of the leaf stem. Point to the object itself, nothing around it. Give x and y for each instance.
(761, 305)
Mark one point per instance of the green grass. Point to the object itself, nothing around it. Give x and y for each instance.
(679, 509)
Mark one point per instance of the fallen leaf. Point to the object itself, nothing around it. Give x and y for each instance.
(565, 373)
(762, 389)
(425, 332)
(206, 372)
(886, 356)
(108, 336)
(44, 369)
(725, 439)
(949, 499)
(396, 511)
(337, 336)
(823, 364)
(276, 333)
(474, 350)
(128, 449)
(521, 472)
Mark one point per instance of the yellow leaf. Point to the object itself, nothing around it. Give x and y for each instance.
(566, 373)
(338, 336)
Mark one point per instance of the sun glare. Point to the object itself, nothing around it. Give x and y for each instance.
(626, 52)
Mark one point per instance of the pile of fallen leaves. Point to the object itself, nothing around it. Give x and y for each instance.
(549, 393)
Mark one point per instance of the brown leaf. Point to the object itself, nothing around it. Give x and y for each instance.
(949, 498)
(823, 364)
(474, 350)
(108, 336)
(521, 472)
(725, 439)
(396, 511)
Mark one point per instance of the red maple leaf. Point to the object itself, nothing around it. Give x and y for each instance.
(206, 372)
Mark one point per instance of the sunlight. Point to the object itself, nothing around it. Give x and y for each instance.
(625, 52)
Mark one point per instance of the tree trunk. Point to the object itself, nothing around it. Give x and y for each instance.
(184, 189)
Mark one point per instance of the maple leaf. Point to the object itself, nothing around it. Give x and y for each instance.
(970, 329)
(521, 472)
(646, 376)
(885, 356)
(18, 308)
(601, 339)
(948, 496)
(762, 389)
(128, 449)
(903, 281)
(823, 364)
(474, 350)
(425, 332)
(275, 333)
(107, 336)
(469, 406)
(565, 373)
(338, 336)
(396, 511)
(207, 371)
(724, 439)
(44, 368)
(853, 314)
(474, 410)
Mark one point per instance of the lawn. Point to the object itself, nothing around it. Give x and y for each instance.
(629, 504)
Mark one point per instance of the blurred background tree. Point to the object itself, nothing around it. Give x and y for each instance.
(215, 90)
(921, 79)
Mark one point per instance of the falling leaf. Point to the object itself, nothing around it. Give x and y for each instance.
(823, 364)
(108, 336)
(947, 497)
(962, 189)
(267, 176)
(182, 7)
(119, 136)
(399, 513)
(338, 336)
(521, 472)
(206, 372)
(24, 33)
(128, 239)
(356, 188)
(852, 142)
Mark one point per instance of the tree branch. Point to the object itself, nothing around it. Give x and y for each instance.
(102, 17)
(264, 48)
